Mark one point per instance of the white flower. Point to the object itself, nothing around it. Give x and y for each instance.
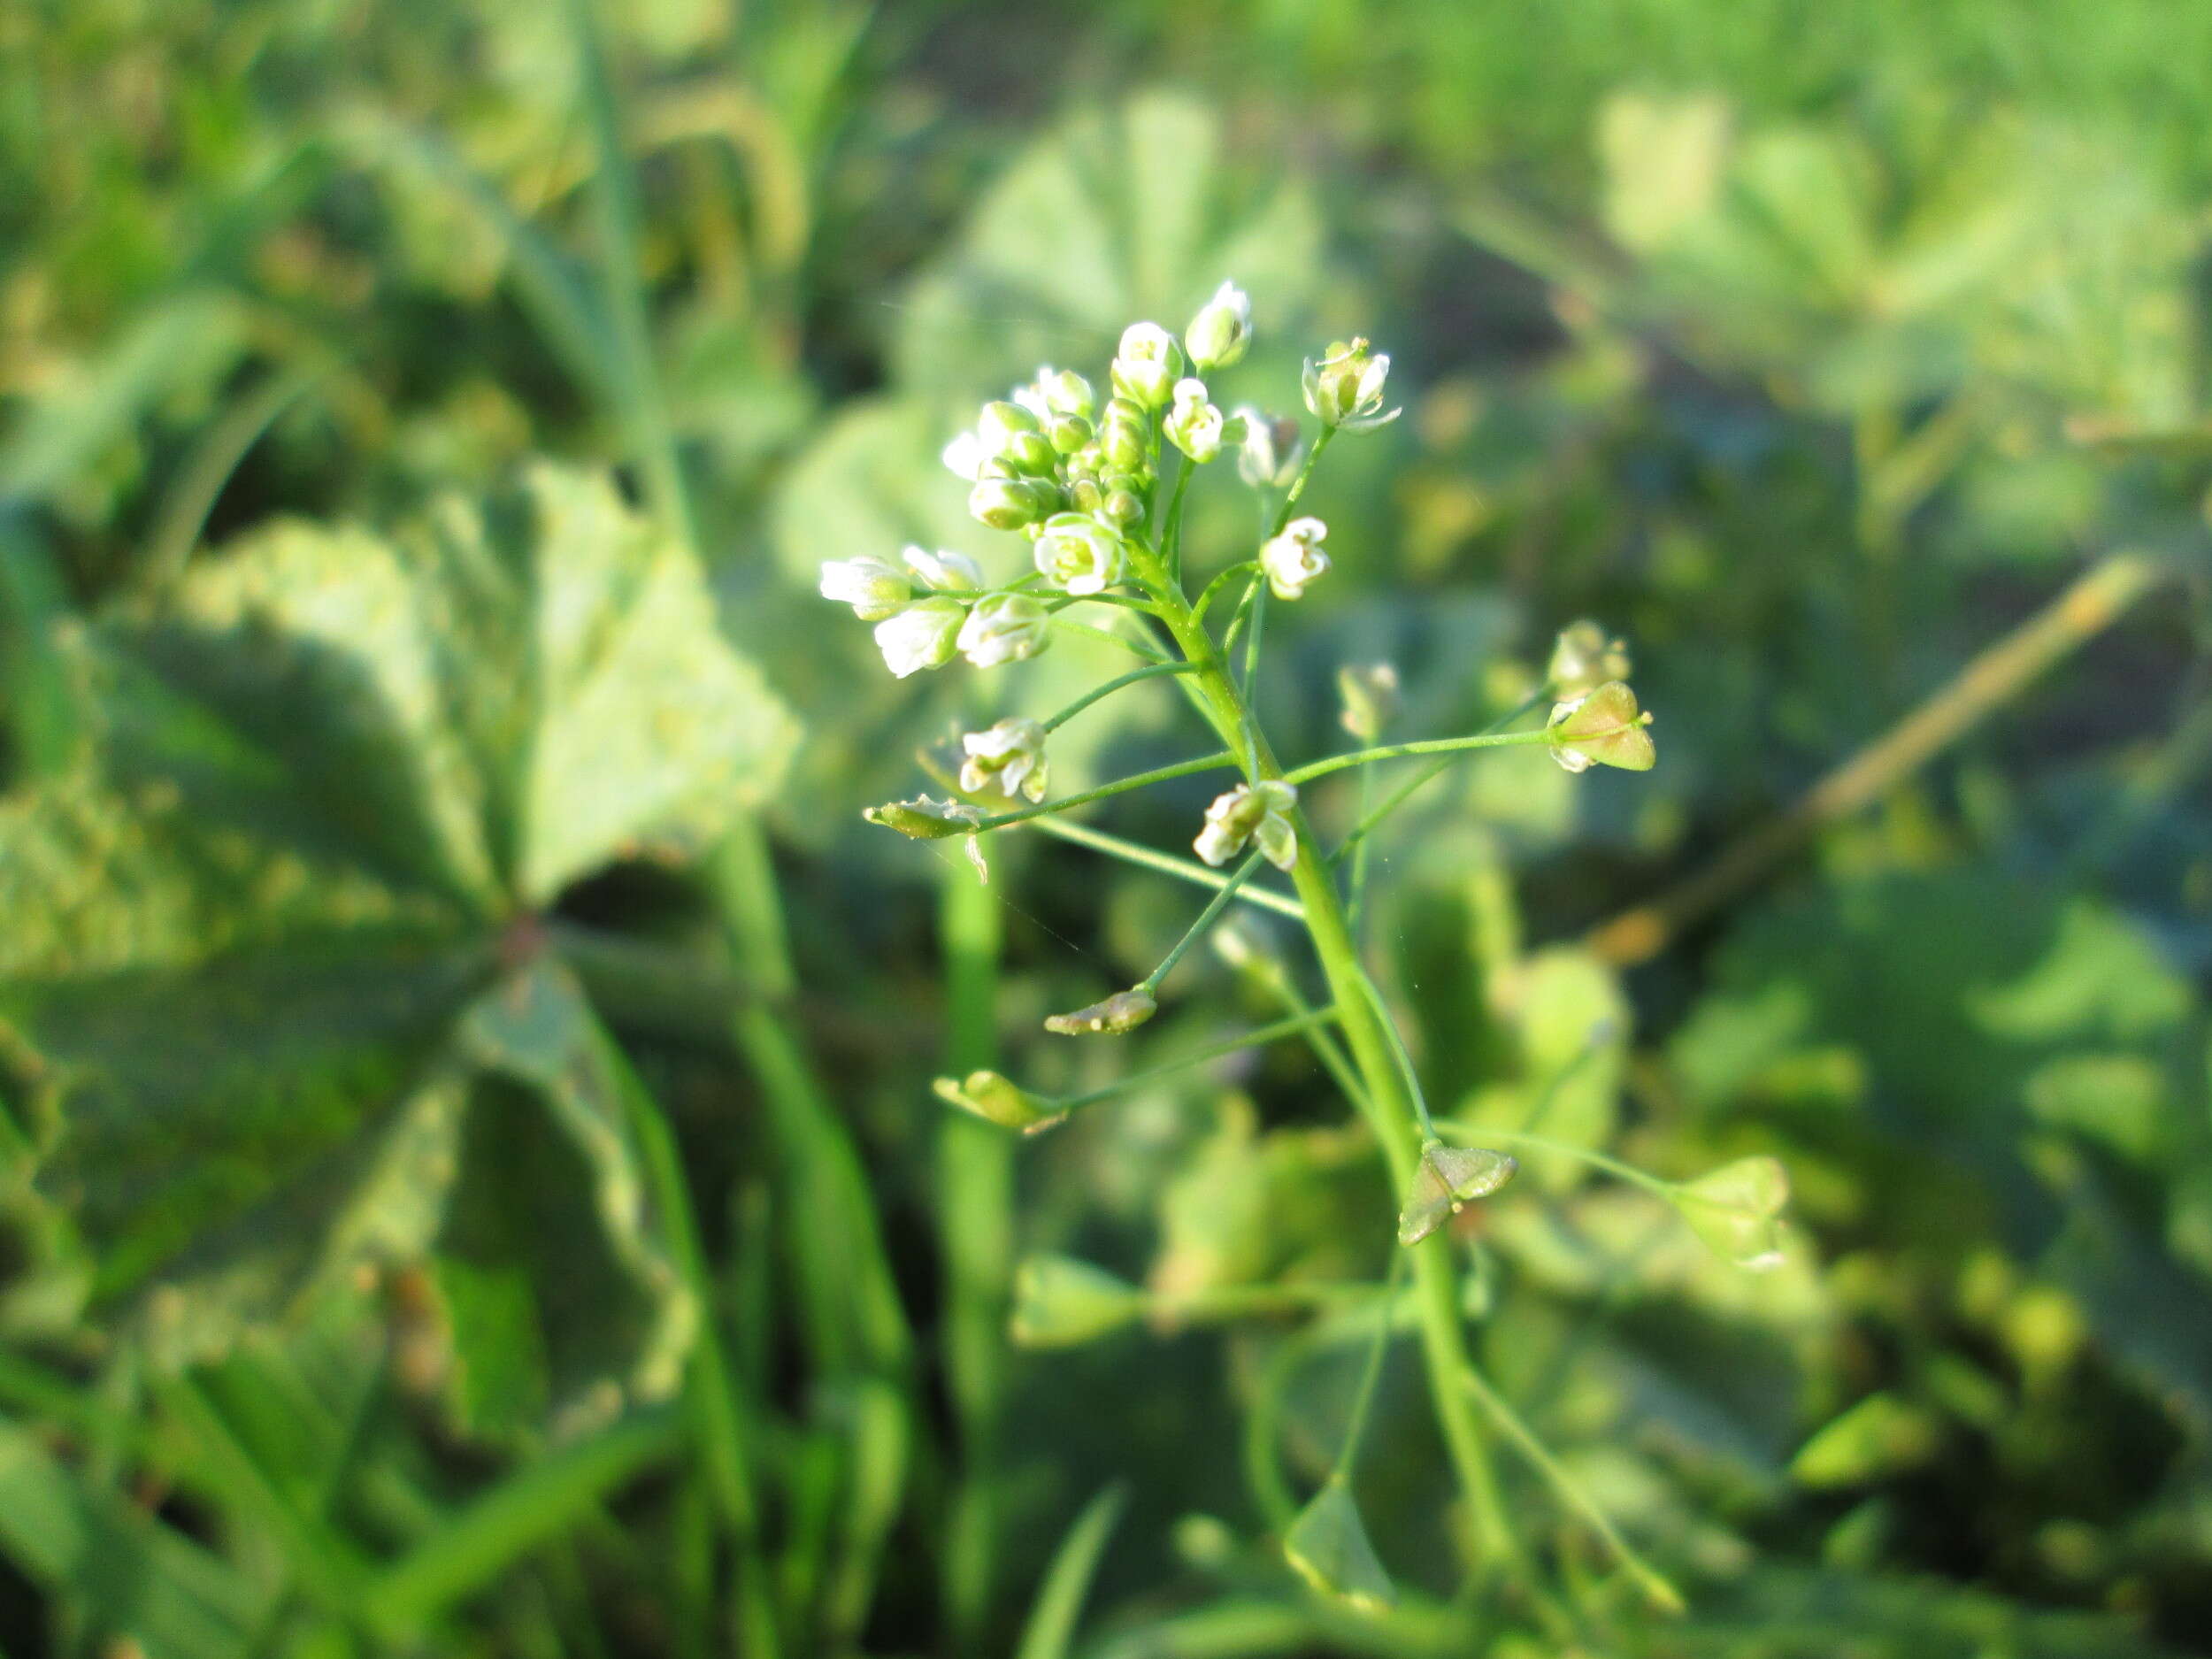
(1078, 554)
(1009, 757)
(920, 637)
(1294, 558)
(1003, 628)
(1251, 812)
(874, 588)
(964, 457)
(1272, 449)
(1219, 334)
(943, 571)
(1145, 368)
(1344, 388)
(1195, 424)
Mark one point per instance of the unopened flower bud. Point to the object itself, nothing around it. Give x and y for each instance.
(997, 1099)
(1584, 658)
(943, 571)
(1194, 425)
(1122, 507)
(1294, 558)
(1602, 729)
(1369, 696)
(1087, 495)
(1069, 434)
(1251, 812)
(1058, 392)
(1009, 757)
(1344, 388)
(1449, 1180)
(1123, 436)
(1003, 628)
(1219, 334)
(1009, 503)
(1079, 555)
(874, 588)
(920, 637)
(1147, 365)
(923, 819)
(1270, 449)
(1060, 1302)
(1002, 420)
(1121, 1012)
(1030, 452)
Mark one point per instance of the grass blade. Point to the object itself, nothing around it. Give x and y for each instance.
(1060, 1598)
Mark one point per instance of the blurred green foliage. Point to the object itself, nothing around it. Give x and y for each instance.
(470, 1185)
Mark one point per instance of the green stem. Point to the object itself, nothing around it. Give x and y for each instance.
(1385, 1097)
(1298, 484)
(1356, 904)
(1166, 864)
(1171, 531)
(1151, 981)
(1398, 751)
(1565, 1149)
(975, 1184)
(1347, 1455)
(1221, 579)
(1661, 1593)
(1369, 821)
(1150, 672)
(1257, 1038)
(1070, 625)
(1158, 774)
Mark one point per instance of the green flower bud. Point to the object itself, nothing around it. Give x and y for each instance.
(1057, 392)
(995, 1099)
(1008, 503)
(1120, 1013)
(1583, 659)
(1062, 1302)
(1125, 437)
(875, 588)
(1328, 1547)
(1194, 426)
(1078, 554)
(921, 636)
(1003, 628)
(1294, 558)
(1345, 387)
(923, 819)
(1736, 1210)
(1122, 508)
(1449, 1180)
(1030, 452)
(1008, 757)
(1003, 421)
(1219, 334)
(1370, 694)
(1602, 729)
(1251, 812)
(1088, 495)
(1147, 365)
(1070, 435)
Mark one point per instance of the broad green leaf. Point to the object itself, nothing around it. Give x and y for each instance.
(520, 1317)
(326, 776)
(1126, 213)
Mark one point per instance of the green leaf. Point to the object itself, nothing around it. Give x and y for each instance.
(141, 1578)
(1062, 1302)
(1059, 1603)
(1136, 216)
(326, 774)
(545, 1314)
